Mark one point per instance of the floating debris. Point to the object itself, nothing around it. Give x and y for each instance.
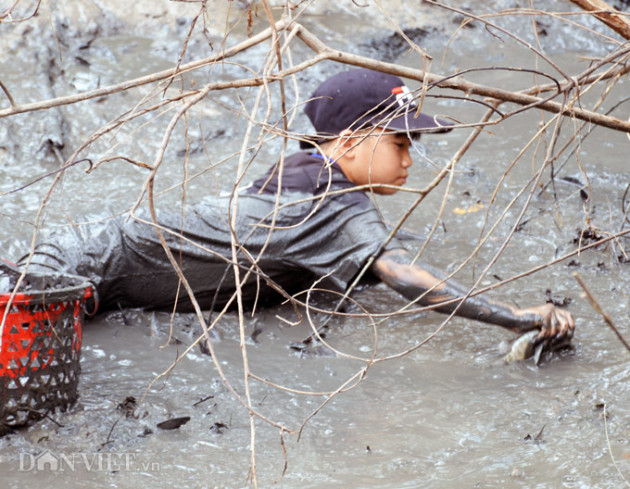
(173, 423)
(218, 428)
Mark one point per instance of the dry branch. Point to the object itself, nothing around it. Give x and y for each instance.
(458, 83)
(454, 82)
(143, 80)
(608, 15)
(595, 305)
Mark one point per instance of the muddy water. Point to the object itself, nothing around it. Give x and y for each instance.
(448, 414)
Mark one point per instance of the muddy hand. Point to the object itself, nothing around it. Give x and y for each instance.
(556, 325)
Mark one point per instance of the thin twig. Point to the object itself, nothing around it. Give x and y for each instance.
(595, 305)
(612, 457)
(8, 94)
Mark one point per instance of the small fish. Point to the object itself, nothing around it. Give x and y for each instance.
(524, 347)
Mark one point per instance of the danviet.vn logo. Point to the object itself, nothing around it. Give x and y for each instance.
(49, 461)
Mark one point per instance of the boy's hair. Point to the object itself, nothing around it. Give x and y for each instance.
(361, 98)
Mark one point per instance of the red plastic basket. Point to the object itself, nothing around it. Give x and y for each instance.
(41, 347)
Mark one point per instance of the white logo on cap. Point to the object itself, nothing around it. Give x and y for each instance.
(403, 96)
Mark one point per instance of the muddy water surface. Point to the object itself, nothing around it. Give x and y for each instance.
(449, 414)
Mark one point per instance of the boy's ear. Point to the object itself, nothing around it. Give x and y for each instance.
(347, 142)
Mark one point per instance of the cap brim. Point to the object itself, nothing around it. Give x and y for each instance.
(417, 122)
(408, 122)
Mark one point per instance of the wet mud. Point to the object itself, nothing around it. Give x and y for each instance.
(448, 413)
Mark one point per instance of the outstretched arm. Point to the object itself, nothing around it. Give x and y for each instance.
(420, 281)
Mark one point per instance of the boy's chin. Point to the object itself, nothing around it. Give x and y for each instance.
(386, 191)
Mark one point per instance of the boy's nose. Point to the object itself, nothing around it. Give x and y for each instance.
(406, 159)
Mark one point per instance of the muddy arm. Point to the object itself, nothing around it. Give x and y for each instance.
(414, 281)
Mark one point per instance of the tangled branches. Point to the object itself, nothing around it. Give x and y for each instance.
(256, 86)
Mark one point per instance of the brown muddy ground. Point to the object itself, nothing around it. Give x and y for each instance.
(449, 414)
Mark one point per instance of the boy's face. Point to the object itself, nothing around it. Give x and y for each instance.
(382, 157)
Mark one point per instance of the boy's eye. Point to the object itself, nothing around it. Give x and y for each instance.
(401, 142)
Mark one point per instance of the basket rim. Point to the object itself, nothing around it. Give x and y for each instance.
(34, 297)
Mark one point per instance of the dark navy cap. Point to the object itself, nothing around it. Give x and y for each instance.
(362, 98)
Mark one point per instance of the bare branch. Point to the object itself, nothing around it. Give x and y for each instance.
(608, 15)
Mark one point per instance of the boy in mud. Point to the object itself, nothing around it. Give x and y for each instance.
(308, 223)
